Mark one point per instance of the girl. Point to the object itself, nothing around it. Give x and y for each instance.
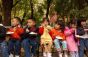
(46, 39)
(71, 43)
(53, 19)
(59, 39)
(15, 37)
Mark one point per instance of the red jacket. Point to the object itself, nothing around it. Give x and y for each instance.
(17, 33)
(56, 33)
(41, 30)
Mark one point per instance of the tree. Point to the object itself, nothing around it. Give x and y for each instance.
(7, 8)
(48, 6)
(32, 10)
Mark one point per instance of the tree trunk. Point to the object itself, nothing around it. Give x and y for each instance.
(47, 12)
(48, 6)
(7, 7)
(0, 19)
(32, 10)
(14, 12)
(7, 17)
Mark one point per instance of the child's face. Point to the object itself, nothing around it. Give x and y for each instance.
(73, 25)
(57, 26)
(14, 22)
(45, 22)
(83, 23)
(54, 18)
(30, 23)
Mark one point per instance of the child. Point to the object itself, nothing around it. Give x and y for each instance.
(53, 19)
(71, 43)
(59, 39)
(46, 39)
(82, 32)
(3, 43)
(15, 37)
(29, 42)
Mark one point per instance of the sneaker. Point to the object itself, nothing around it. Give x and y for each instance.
(60, 54)
(49, 55)
(11, 55)
(17, 56)
(44, 54)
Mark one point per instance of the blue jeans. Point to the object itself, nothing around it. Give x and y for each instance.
(83, 44)
(14, 47)
(26, 43)
(58, 44)
(4, 49)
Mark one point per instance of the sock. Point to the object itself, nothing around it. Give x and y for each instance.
(72, 54)
(65, 54)
(77, 54)
(49, 55)
(60, 54)
(44, 54)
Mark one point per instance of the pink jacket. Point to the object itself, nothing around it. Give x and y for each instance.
(72, 45)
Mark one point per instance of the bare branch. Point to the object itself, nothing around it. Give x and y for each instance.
(16, 3)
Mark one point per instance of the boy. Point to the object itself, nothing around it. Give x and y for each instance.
(29, 42)
(15, 37)
(82, 33)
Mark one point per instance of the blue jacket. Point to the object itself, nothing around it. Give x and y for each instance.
(2, 33)
(80, 31)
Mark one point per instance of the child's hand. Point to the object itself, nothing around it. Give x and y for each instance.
(77, 36)
(27, 30)
(85, 29)
(49, 27)
(42, 25)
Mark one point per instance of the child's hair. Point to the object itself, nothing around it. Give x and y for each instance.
(62, 25)
(32, 20)
(69, 23)
(45, 19)
(17, 18)
(79, 22)
(53, 13)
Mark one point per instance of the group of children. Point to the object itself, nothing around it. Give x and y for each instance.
(63, 37)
